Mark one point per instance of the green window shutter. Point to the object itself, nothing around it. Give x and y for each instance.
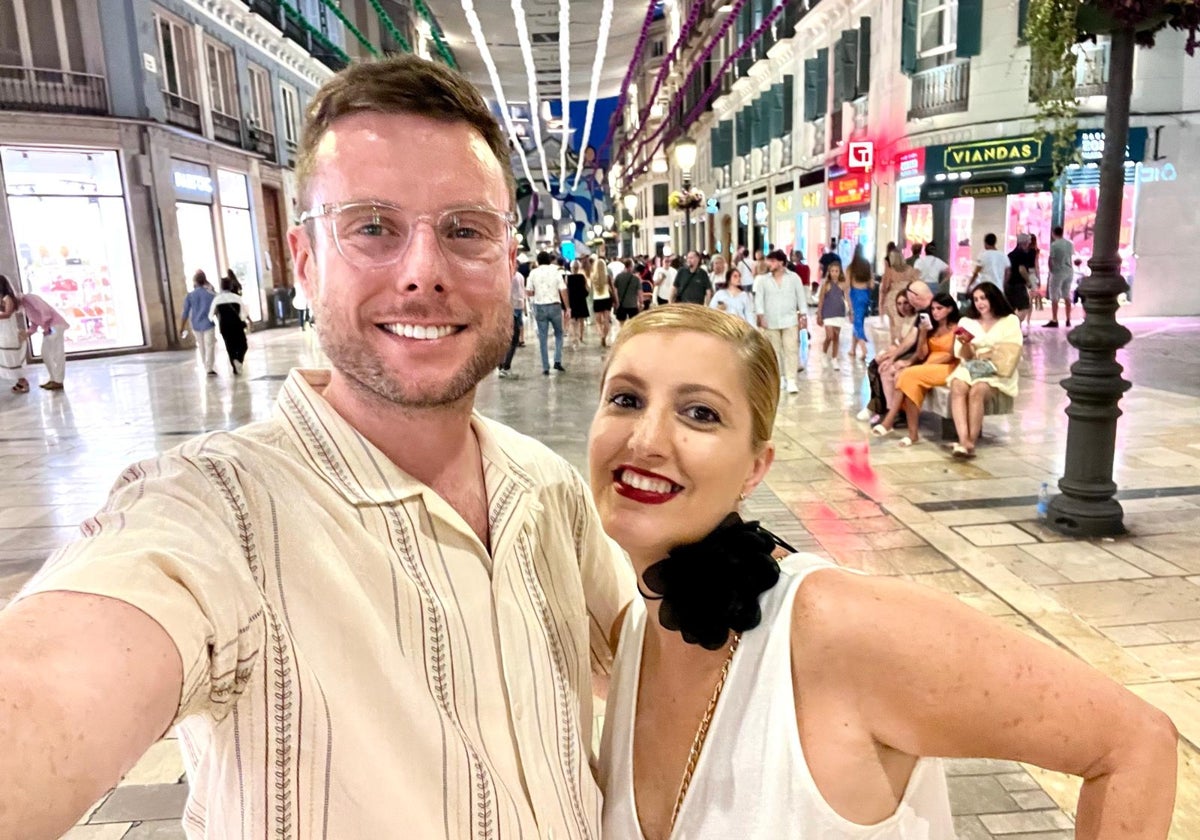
(758, 129)
(839, 75)
(810, 89)
(970, 28)
(744, 122)
(726, 142)
(908, 36)
(847, 60)
(714, 147)
(787, 101)
(1022, 18)
(775, 116)
(864, 56)
(822, 82)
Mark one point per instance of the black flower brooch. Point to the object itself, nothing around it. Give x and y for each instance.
(711, 587)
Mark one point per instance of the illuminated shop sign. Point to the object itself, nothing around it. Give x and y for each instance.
(1090, 143)
(992, 154)
(911, 164)
(850, 191)
(810, 200)
(860, 156)
(982, 190)
(193, 182)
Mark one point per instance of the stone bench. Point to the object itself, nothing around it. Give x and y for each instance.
(937, 401)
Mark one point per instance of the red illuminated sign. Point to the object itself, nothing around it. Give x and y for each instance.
(911, 164)
(860, 156)
(850, 191)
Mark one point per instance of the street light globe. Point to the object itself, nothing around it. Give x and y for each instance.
(608, 220)
(630, 200)
(597, 229)
(685, 153)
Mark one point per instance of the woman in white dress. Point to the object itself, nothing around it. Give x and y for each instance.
(755, 699)
(12, 338)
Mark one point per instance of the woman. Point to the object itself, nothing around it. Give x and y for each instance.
(718, 272)
(834, 308)
(755, 699)
(601, 285)
(933, 362)
(12, 337)
(862, 281)
(231, 318)
(989, 344)
(733, 300)
(1037, 299)
(896, 275)
(577, 301)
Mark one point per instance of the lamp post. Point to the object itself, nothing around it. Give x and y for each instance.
(685, 159)
(630, 201)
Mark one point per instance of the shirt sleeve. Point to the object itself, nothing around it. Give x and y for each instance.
(168, 544)
(609, 584)
(187, 308)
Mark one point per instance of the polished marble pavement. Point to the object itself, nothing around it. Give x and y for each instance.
(1130, 606)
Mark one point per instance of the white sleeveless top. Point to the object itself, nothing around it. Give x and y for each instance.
(752, 780)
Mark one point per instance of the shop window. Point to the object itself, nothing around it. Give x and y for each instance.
(177, 55)
(262, 113)
(222, 78)
(937, 28)
(291, 113)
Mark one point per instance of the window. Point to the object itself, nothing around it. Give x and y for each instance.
(262, 111)
(937, 27)
(45, 34)
(658, 48)
(222, 78)
(177, 54)
(291, 113)
(661, 195)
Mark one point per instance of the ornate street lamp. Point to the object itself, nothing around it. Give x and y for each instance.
(685, 159)
(630, 201)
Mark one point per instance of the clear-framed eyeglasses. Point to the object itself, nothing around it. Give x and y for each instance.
(373, 234)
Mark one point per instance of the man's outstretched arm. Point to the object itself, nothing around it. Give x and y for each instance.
(87, 684)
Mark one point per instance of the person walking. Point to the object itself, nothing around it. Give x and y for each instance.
(628, 289)
(300, 306)
(782, 309)
(1018, 277)
(229, 312)
(602, 298)
(53, 325)
(691, 283)
(547, 291)
(578, 288)
(834, 308)
(12, 337)
(664, 279)
(862, 284)
(989, 268)
(196, 308)
(933, 269)
(1062, 272)
(517, 299)
(735, 300)
(897, 274)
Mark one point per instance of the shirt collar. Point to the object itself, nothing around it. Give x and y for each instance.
(350, 463)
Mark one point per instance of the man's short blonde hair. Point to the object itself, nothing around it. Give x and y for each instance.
(402, 84)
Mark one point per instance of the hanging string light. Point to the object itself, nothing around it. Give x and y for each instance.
(473, 22)
(597, 65)
(535, 104)
(564, 70)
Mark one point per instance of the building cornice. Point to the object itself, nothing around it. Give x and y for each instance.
(236, 18)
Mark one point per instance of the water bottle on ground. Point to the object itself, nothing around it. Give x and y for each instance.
(1043, 502)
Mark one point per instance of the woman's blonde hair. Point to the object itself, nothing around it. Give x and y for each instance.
(760, 368)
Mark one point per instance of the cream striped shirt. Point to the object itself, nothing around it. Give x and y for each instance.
(356, 664)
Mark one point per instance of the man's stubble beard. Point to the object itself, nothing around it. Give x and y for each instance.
(366, 372)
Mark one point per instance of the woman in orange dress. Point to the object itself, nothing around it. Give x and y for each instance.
(935, 349)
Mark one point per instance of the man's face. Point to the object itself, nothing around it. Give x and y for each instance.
(774, 265)
(693, 260)
(424, 330)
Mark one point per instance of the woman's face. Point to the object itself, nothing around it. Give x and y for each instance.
(835, 272)
(670, 452)
(939, 312)
(982, 305)
(735, 279)
(904, 306)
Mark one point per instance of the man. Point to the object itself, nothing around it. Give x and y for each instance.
(782, 309)
(1062, 272)
(989, 268)
(377, 589)
(1022, 263)
(53, 325)
(919, 295)
(828, 258)
(547, 290)
(932, 268)
(745, 267)
(691, 283)
(196, 307)
(915, 254)
(628, 287)
(719, 269)
(516, 297)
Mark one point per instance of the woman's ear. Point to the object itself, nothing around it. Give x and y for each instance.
(762, 463)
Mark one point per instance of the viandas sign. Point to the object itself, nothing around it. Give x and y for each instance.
(992, 155)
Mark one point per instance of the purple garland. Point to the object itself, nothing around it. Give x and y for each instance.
(696, 110)
(637, 57)
(692, 19)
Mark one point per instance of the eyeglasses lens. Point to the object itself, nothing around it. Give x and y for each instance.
(374, 235)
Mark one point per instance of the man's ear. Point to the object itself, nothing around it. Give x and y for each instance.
(304, 260)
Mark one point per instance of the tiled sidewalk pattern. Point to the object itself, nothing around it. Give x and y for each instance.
(1130, 607)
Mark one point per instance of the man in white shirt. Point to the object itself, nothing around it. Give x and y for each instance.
(547, 290)
(933, 269)
(1062, 272)
(989, 268)
(782, 307)
(375, 589)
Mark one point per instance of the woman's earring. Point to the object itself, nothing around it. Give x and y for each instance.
(741, 497)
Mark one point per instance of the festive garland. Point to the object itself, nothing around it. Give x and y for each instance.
(435, 29)
(317, 34)
(634, 62)
(692, 19)
(390, 25)
(346, 22)
(531, 92)
(564, 70)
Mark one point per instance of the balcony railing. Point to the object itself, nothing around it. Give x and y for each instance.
(261, 141)
(227, 129)
(58, 91)
(1091, 69)
(182, 112)
(290, 22)
(940, 90)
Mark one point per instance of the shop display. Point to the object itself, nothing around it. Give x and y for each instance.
(1032, 213)
(1079, 224)
(918, 226)
(960, 257)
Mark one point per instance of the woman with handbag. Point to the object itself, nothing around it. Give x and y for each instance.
(988, 341)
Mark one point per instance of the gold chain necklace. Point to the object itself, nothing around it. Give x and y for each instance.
(689, 769)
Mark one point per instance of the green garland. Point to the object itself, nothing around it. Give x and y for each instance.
(317, 34)
(436, 29)
(1051, 31)
(340, 15)
(390, 25)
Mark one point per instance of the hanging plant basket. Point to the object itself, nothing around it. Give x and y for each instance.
(686, 200)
